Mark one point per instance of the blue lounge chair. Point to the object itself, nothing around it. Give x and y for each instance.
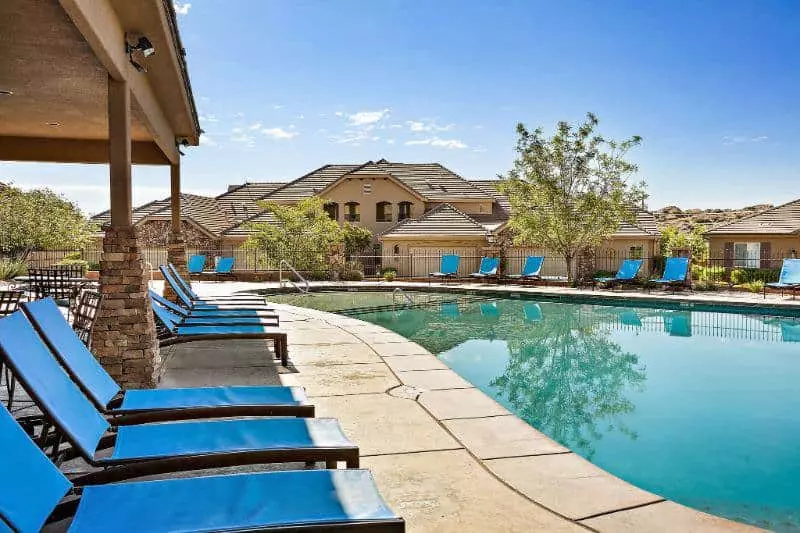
(531, 270)
(490, 310)
(789, 278)
(675, 271)
(196, 264)
(630, 317)
(224, 265)
(149, 405)
(488, 268)
(187, 288)
(447, 269)
(216, 303)
(173, 331)
(627, 273)
(333, 500)
(449, 309)
(231, 317)
(145, 449)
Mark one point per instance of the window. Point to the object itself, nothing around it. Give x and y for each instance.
(396, 249)
(636, 252)
(383, 212)
(747, 254)
(332, 208)
(351, 213)
(404, 210)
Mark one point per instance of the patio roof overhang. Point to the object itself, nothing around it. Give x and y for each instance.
(58, 57)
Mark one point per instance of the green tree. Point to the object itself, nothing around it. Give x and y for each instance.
(570, 192)
(302, 233)
(672, 237)
(40, 219)
(355, 238)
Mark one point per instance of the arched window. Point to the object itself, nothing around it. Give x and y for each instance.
(383, 212)
(396, 249)
(351, 212)
(404, 210)
(332, 208)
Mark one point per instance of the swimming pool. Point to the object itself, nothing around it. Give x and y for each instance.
(700, 407)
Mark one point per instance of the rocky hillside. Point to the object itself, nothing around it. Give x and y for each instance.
(689, 218)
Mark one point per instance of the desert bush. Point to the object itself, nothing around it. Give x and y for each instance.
(740, 276)
(389, 275)
(756, 286)
(709, 273)
(10, 269)
(348, 274)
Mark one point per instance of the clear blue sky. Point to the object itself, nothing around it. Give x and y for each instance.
(284, 86)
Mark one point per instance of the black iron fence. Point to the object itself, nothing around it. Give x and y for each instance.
(316, 264)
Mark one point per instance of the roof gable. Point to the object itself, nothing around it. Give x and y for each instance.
(442, 220)
(781, 220)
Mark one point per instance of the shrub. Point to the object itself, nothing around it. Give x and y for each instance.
(706, 285)
(603, 274)
(10, 269)
(710, 274)
(317, 275)
(658, 263)
(80, 262)
(740, 276)
(389, 275)
(93, 265)
(348, 274)
(754, 286)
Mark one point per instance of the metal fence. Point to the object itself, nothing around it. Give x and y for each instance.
(707, 270)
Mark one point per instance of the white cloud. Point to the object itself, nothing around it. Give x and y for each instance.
(742, 139)
(205, 140)
(420, 126)
(244, 138)
(479, 149)
(182, 9)
(278, 106)
(365, 118)
(238, 114)
(437, 142)
(396, 126)
(339, 114)
(300, 116)
(208, 118)
(279, 133)
(236, 130)
(255, 126)
(390, 141)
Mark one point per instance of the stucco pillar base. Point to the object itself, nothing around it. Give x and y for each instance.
(124, 339)
(176, 254)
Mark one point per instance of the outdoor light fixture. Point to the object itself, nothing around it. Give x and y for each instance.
(138, 47)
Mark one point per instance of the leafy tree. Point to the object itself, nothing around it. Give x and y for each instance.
(356, 238)
(302, 233)
(672, 237)
(570, 192)
(40, 219)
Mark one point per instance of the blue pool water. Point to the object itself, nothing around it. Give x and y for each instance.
(700, 407)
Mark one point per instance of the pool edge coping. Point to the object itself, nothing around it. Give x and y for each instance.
(618, 484)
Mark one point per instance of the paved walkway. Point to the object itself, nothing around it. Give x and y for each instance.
(445, 456)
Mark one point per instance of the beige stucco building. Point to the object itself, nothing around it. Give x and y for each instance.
(758, 241)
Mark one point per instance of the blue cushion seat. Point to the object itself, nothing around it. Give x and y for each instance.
(531, 269)
(487, 268)
(186, 313)
(177, 279)
(196, 264)
(448, 266)
(312, 498)
(234, 503)
(627, 272)
(187, 398)
(675, 271)
(224, 265)
(789, 277)
(187, 439)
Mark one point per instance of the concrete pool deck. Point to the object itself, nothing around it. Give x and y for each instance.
(445, 456)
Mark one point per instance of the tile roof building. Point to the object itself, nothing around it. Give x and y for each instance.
(410, 208)
(760, 240)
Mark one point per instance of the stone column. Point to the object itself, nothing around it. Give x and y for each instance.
(585, 265)
(124, 339)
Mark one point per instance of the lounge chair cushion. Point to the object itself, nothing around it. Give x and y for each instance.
(33, 485)
(151, 441)
(153, 399)
(230, 321)
(227, 330)
(224, 265)
(46, 317)
(196, 263)
(235, 502)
